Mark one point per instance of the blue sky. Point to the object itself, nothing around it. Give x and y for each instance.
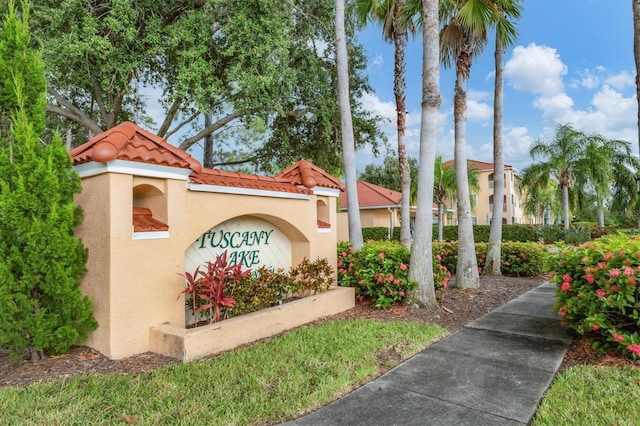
(572, 63)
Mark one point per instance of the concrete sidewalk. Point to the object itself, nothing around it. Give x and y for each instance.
(494, 371)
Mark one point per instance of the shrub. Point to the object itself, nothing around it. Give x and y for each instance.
(512, 232)
(549, 234)
(597, 294)
(247, 291)
(380, 271)
(375, 233)
(518, 259)
(576, 234)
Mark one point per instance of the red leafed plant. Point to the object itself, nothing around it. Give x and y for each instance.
(206, 288)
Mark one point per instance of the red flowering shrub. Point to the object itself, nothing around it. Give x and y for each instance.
(597, 293)
(380, 271)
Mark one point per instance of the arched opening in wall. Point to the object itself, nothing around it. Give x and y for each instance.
(323, 215)
(149, 209)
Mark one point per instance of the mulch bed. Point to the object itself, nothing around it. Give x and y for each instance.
(458, 307)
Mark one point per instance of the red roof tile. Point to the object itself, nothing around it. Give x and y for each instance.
(132, 143)
(309, 175)
(243, 180)
(143, 221)
(370, 195)
(323, 225)
(129, 142)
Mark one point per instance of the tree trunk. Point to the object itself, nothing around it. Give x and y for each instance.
(207, 155)
(601, 217)
(492, 265)
(635, 5)
(421, 268)
(440, 220)
(565, 206)
(348, 143)
(467, 267)
(399, 90)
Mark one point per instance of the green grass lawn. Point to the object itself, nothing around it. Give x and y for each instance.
(266, 382)
(587, 395)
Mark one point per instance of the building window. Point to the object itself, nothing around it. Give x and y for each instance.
(474, 220)
(491, 181)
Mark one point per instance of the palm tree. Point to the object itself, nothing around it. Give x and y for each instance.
(607, 166)
(445, 187)
(463, 35)
(561, 158)
(387, 13)
(421, 267)
(348, 143)
(538, 194)
(505, 37)
(635, 5)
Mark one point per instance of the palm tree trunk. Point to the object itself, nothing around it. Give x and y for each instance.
(440, 225)
(492, 265)
(635, 5)
(421, 267)
(399, 89)
(565, 206)
(467, 268)
(348, 143)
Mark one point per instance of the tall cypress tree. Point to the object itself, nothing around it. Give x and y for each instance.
(41, 262)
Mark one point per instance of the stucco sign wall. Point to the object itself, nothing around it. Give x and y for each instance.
(248, 241)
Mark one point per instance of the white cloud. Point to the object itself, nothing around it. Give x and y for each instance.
(516, 143)
(621, 81)
(377, 62)
(536, 69)
(478, 111)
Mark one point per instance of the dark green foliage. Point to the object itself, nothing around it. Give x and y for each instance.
(549, 234)
(264, 288)
(43, 310)
(388, 175)
(18, 64)
(597, 294)
(378, 233)
(576, 234)
(379, 271)
(517, 259)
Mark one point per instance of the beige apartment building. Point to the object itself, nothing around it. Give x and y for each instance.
(512, 211)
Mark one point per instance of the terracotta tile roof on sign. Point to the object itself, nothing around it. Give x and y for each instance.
(309, 175)
(143, 221)
(243, 180)
(129, 142)
(323, 225)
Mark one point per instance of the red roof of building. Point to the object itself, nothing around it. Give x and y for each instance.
(373, 196)
(370, 195)
(129, 142)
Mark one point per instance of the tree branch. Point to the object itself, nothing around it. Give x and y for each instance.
(173, 110)
(68, 110)
(189, 142)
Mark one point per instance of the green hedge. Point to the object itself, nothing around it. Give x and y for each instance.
(515, 232)
(518, 259)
